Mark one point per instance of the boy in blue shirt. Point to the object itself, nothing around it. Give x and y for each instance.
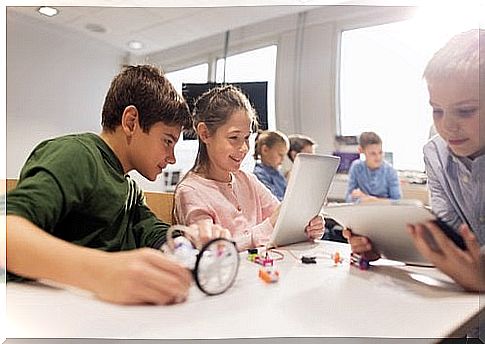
(374, 178)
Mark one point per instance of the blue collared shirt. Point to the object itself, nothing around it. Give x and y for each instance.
(457, 187)
(382, 182)
(272, 179)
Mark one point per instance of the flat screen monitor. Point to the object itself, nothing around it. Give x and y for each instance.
(346, 159)
(257, 93)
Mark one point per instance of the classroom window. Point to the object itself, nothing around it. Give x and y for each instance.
(194, 74)
(254, 65)
(381, 87)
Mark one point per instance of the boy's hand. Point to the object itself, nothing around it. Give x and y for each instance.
(141, 276)
(315, 228)
(462, 266)
(363, 197)
(360, 245)
(357, 193)
(204, 231)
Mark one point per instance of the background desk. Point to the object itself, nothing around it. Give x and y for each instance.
(309, 300)
(409, 191)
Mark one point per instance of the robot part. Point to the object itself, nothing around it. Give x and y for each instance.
(269, 274)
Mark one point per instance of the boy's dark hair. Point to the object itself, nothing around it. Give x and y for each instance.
(298, 142)
(146, 88)
(369, 138)
(270, 139)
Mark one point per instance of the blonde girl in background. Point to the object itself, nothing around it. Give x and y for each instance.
(215, 189)
(270, 150)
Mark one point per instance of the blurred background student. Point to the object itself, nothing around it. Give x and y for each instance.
(270, 149)
(374, 178)
(298, 144)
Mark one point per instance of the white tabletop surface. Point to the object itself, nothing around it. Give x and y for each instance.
(317, 300)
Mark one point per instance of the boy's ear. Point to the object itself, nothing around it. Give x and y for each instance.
(264, 148)
(203, 132)
(360, 149)
(293, 155)
(129, 120)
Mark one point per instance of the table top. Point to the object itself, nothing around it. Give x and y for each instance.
(309, 300)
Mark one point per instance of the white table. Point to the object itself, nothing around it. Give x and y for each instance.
(318, 300)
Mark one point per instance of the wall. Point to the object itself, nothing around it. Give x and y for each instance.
(306, 71)
(56, 82)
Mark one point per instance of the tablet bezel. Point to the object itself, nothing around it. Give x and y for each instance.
(310, 180)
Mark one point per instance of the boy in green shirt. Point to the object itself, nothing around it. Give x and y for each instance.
(77, 218)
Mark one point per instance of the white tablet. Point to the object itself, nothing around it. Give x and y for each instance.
(307, 189)
(385, 225)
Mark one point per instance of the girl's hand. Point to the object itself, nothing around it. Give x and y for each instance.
(462, 266)
(203, 231)
(315, 228)
(360, 245)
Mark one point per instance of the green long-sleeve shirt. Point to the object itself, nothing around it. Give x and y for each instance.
(74, 188)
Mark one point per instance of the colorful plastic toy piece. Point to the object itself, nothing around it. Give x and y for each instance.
(252, 251)
(308, 260)
(269, 274)
(252, 256)
(363, 264)
(263, 261)
(336, 258)
(357, 260)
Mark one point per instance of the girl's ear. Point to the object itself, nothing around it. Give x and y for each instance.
(292, 154)
(264, 149)
(203, 132)
(129, 120)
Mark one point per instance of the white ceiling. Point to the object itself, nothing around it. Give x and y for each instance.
(158, 28)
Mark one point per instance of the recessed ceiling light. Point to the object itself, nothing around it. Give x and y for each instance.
(95, 28)
(48, 11)
(135, 45)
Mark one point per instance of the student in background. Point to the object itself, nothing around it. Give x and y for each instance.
(298, 144)
(215, 189)
(270, 149)
(372, 179)
(75, 206)
(455, 162)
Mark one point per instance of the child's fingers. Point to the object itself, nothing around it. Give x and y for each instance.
(472, 245)
(417, 234)
(347, 233)
(315, 234)
(443, 242)
(317, 221)
(221, 232)
(360, 244)
(314, 226)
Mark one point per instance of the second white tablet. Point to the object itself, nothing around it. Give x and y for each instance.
(307, 189)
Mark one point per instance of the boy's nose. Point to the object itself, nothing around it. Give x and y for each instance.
(170, 159)
(450, 122)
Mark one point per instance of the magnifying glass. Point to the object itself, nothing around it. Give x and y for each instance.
(214, 266)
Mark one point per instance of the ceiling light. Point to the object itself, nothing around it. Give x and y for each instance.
(135, 45)
(95, 28)
(48, 11)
